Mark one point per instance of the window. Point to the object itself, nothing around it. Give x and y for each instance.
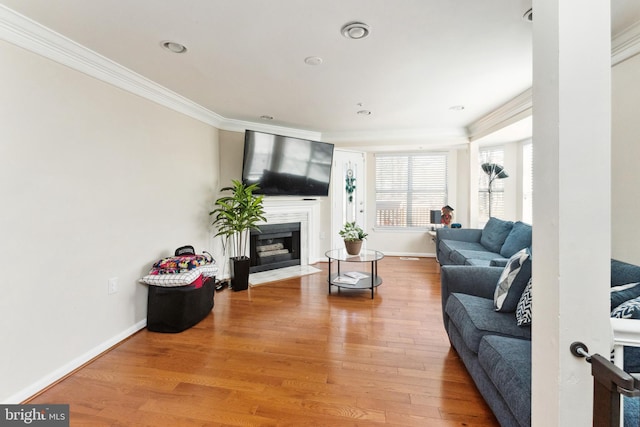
(408, 187)
(527, 183)
(490, 155)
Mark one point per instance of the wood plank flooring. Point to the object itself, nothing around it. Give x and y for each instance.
(289, 354)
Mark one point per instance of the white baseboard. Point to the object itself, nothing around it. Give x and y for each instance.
(59, 373)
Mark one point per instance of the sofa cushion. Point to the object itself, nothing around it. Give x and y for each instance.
(495, 233)
(518, 238)
(523, 310)
(461, 256)
(512, 281)
(448, 246)
(474, 317)
(507, 362)
(622, 293)
(483, 262)
(623, 273)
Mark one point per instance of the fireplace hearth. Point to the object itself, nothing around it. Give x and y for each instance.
(274, 246)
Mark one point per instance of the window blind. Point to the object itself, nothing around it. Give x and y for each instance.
(408, 187)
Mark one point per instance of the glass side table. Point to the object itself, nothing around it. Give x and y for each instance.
(350, 279)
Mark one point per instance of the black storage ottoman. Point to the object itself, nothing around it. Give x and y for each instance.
(178, 308)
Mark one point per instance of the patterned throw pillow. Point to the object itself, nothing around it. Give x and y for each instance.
(523, 310)
(512, 282)
(628, 310)
(622, 293)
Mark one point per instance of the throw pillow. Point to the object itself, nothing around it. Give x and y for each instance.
(622, 293)
(628, 310)
(519, 237)
(513, 280)
(495, 233)
(523, 310)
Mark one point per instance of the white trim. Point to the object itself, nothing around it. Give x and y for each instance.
(34, 37)
(511, 112)
(74, 364)
(626, 44)
(623, 46)
(30, 35)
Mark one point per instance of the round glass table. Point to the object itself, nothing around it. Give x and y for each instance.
(347, 276)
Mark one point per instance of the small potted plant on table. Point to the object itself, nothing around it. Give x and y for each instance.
(353, 235)
(234, 216)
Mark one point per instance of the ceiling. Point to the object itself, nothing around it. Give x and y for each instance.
(246, 58)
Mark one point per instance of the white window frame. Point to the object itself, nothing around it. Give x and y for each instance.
(396, 196)
(493, 154)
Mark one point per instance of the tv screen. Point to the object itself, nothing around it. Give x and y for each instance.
(286, 166)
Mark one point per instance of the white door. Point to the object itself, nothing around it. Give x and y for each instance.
(348, 197)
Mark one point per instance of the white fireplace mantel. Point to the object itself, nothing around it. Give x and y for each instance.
(306, 212)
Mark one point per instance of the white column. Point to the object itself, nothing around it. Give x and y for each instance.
(571, 205)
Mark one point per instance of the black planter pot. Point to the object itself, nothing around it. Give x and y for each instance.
(240, 273)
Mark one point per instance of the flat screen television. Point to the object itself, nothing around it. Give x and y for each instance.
(286, 166)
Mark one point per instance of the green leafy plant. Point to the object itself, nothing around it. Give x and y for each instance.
(236, 214)
(352, 231)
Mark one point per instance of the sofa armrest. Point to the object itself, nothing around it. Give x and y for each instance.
(499, 262)
(465, 279)
(626, 332)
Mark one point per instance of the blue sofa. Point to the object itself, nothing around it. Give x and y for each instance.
(495, 350)
(490, 246)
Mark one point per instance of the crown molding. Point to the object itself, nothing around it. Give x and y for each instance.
(399, 135)
(32, 36)
(241, 125)
(625, 44)
(513, 111)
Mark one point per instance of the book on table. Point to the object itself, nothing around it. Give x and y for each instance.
(350, 278)
(356, 275)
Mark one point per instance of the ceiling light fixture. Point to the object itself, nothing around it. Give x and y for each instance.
(174, 47)
(456, 108)
(266, 117)
(364, 112)
(355, 30)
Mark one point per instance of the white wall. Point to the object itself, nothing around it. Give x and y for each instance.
(625, 157)
(96, 183)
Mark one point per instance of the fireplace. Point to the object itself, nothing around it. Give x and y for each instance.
(274, 246)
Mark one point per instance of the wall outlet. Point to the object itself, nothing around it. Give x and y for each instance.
(112, 285)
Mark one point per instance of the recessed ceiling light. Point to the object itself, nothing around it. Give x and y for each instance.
(364, 112)
(174, 47)
(456, 108)
(266, 117)
(355, 30)
(313, 60)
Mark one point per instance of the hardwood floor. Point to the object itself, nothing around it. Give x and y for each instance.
(289, 354)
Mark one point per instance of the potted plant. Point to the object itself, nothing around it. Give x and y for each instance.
(234, 216)
(353, 235)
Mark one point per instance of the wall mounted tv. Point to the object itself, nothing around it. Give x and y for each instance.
(286, 166)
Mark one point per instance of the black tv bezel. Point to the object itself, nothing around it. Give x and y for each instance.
(291, 194)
